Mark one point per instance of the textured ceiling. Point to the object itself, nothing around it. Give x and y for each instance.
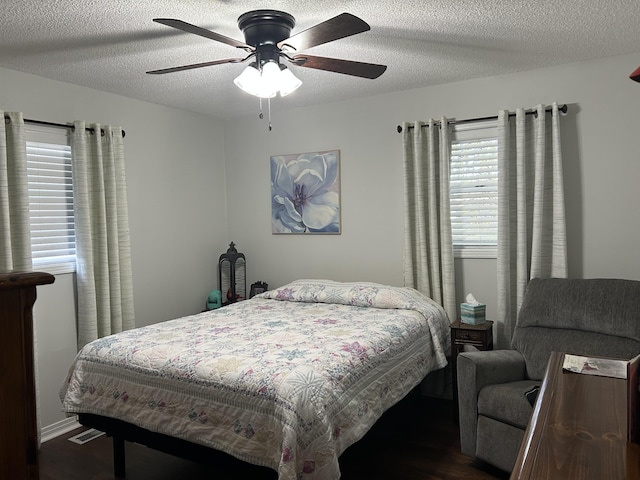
(110, 44)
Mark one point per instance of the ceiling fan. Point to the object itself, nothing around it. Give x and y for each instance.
(268, 39)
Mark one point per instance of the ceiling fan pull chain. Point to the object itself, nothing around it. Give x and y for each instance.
(260, 116)
(269, 108)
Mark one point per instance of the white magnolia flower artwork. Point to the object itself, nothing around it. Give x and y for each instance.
(305, 193)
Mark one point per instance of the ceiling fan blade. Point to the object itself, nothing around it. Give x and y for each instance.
(341, 26)
(348, 67)
(203, 32)
(195, 65)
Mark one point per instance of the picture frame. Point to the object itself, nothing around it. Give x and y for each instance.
(305, 193)
(258, 287)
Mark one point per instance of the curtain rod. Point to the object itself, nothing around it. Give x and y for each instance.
(60, 125)
(562, 108)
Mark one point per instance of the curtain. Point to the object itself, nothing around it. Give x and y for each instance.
(428, 248)
(15, 236)
(531, 215)
(103, 252)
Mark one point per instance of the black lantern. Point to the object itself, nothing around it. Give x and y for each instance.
(232, 275)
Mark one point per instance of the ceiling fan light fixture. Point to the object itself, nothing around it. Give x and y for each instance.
(270, 79)
(288, 81)
(257, 83)
(249, 79)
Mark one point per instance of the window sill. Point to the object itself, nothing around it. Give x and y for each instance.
(475, 252)
(55, 269)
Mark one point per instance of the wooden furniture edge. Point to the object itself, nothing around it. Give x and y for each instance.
(14, 279)
(18, 421)
(531, 442)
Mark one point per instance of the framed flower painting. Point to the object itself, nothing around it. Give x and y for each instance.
(305, 193)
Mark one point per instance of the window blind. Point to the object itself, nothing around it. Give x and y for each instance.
(50, 185)
(474, 192)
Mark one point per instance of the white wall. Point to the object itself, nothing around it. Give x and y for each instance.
(370, 245)
(601, 166)
(176, 193)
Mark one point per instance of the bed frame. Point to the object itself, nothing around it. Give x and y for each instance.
(121, 431)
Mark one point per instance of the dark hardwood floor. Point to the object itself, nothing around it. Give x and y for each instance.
(415, 440)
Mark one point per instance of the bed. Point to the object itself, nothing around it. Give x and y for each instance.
(287, 380)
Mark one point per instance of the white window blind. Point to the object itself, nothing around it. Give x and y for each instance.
(50, 184)
(474, 190)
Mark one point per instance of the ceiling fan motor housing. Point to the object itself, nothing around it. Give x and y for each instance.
(264, 29)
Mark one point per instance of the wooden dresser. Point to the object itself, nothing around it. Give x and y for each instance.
(578, 430)
(18, 423)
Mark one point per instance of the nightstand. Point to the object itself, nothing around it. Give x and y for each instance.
(479, 336)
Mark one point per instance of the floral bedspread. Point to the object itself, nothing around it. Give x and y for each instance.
(287, 380)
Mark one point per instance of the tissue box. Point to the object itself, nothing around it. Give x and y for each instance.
(472, 314)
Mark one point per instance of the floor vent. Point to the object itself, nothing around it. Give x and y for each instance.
(86, 436)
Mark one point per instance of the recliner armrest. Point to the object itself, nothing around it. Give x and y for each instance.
(476, 370)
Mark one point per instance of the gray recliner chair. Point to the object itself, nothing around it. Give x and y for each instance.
(592, 317)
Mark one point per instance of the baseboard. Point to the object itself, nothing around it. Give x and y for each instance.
(59, 428)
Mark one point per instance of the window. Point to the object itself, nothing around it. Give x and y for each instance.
(53, 244)
(474, 190)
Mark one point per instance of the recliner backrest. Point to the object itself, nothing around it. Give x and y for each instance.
(593, 317)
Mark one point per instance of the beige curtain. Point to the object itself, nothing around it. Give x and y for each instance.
(428, 248)
(15, 236)
(103, 252)
(531, 215)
